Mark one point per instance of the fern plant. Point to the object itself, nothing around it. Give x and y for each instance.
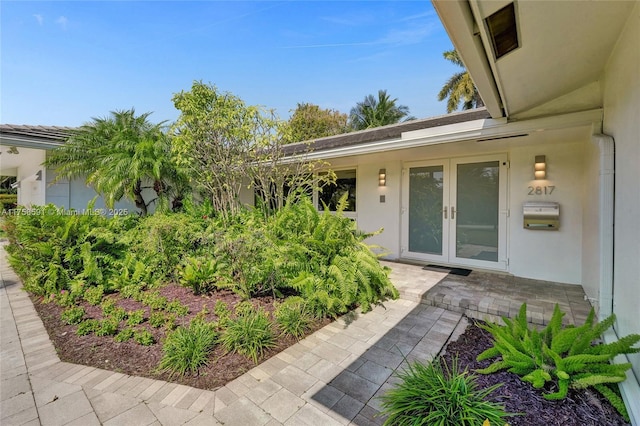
(569, 358)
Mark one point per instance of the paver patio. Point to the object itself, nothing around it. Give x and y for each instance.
(333, 377)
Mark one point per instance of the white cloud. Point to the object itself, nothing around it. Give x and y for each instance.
(39, 18)
(62, 21)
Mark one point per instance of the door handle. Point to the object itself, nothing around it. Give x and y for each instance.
(453, 212)
(445, 212)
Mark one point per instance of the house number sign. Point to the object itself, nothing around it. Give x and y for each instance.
(541, 190)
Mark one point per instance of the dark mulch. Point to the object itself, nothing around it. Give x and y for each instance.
(134, 359)
(585, 407)
(580, 408)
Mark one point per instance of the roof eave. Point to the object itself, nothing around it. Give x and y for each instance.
(476, 130)
(458, 20)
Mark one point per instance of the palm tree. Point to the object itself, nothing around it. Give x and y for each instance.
(459, 87)
(118, 156)
(374, 112)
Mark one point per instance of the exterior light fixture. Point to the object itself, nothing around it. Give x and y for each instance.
(382, 177)
(540, 167)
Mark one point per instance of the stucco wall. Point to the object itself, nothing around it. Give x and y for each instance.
(622, 121)
(32, 191)
(544, 255)
(547, 255)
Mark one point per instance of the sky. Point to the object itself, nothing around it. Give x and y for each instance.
(64, 63)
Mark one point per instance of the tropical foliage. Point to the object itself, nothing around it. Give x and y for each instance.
(376, 112)
(560, 358)
(309, 121)
(438, 394)
(120, 156)
(459, 88)
(227, 145)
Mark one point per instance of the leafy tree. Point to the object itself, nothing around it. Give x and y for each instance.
(460, 87)
(372, 112)
(119, 155)
(227, 145)
(309, 121)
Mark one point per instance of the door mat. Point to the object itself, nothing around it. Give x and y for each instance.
(452, 271)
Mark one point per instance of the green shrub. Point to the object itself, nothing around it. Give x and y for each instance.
(199, 273)
(135, 317)
(131, 291)
(124, 335)
(154, 300)
(107, 306)
(176, 307)
(157, 319)
(292, 316)
(143, 337)
(222, 311)
(8, 201)
(107, 327)
(570, 357)
(118, 313)
(87, 327)
(73, 315)
(249, 335)
(160, 241)
(64, 299)
(170, 322)
(436, 394)
(187, 348)
(93, 295)
(243, 308)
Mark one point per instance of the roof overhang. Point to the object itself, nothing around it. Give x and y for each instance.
(459, 22)
(563, 50)
(35, 137)
(483, 130)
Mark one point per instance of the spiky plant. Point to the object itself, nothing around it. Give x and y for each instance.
(569, 358)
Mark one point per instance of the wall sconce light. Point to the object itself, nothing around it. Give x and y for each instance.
(540, 167)
(382, 177)
(39, 175)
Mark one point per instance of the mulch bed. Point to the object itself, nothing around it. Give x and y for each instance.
(580, 408)
(134, 359)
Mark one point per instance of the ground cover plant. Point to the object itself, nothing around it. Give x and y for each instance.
(560, 358)
(258, 281)
(436, 393)
(581, 407)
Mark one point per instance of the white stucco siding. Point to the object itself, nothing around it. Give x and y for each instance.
(32, 191)
(57, 193)
(622, 122)
(543, 255)
(80, 194)
(547, 255)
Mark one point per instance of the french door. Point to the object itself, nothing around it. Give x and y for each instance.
(454, 211)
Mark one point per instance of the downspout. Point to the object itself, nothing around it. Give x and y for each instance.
(629, 388)
(606, 147)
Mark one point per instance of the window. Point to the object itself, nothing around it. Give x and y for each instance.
(302, 184)
(330, 194)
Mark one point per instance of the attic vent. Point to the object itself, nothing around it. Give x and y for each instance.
(503, 31)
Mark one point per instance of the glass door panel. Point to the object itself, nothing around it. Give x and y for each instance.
(477, 211)
(426, 185)
(454, 211)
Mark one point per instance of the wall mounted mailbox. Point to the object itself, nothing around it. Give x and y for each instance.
(541, 215)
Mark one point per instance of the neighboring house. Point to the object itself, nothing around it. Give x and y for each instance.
(23, 149)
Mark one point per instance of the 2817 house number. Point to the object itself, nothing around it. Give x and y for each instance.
(541, 190)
